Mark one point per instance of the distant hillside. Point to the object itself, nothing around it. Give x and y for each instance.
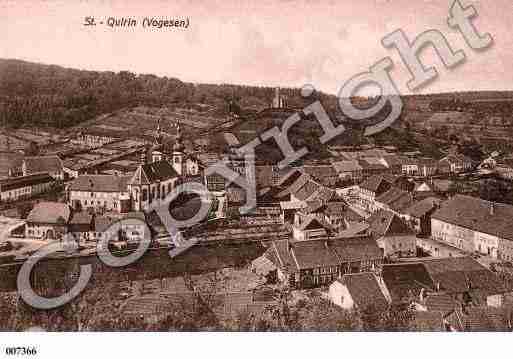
(36, 95)
(52, 96)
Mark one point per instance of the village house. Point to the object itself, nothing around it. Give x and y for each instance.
(313, 263)
(475, 225)
(17, 188)
(419, 214)
(462, 280)
(373, 166)
(371, 188)
(39, 164)
(325, 175)
(348, 170)
(48, 221)
(100, 193)
(336, 214)
(410, 167)
(427, 167)
(360, 291)
(457, 163)
(289, 209)
(423, 190)
(94, 137)
(129, 227)
(394, 200)
(309, 226)
(392, 234)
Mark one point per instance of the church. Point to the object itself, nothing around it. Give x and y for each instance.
(162, 168)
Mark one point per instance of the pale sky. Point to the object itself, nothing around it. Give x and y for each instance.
(287, 43)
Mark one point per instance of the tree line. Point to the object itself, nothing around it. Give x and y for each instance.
(52, 96)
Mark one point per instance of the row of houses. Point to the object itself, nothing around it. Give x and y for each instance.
(475, 225)
(358, 169)
(25, 187)
(312, 263)
(35, 175)
(444, 294)
(53, 220)
(467, 223)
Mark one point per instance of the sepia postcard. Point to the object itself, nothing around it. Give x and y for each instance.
(230, 167)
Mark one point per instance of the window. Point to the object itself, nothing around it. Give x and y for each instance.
(144, 194)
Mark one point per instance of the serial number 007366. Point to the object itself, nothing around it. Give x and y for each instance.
(28, 351)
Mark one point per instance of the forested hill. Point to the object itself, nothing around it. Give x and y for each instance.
(52, 96)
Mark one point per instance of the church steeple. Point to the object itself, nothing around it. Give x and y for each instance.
(178, 152)
(144, 156)
(158, 134)
(156, 151)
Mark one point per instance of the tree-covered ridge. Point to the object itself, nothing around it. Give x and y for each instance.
(52, 96)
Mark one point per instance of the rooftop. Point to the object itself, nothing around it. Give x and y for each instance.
(478, 215)
(23, 181)
(365, 290)
(378, 183)
(386, 223)
(420, 208)
(100, 183)
(295, 255)
(153, 172)
(451, 275)
(50, 212)
(396, 199)
(37, 164)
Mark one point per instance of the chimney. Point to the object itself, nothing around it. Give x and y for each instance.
(492, 209)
